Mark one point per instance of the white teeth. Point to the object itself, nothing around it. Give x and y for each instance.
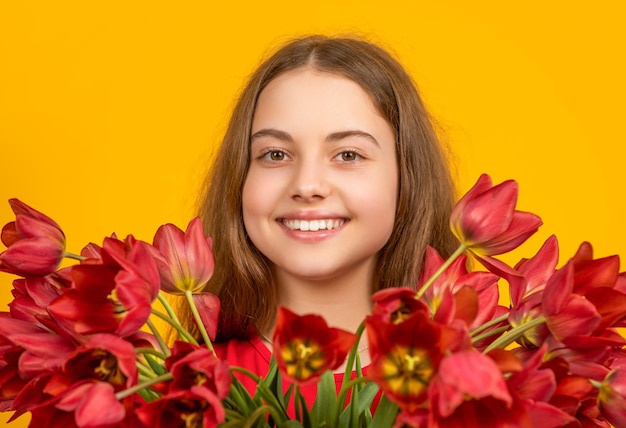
(312, 225)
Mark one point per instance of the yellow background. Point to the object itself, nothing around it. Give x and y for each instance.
(108, 110)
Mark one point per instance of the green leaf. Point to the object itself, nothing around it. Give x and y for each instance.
(366, 396)
(325, 402)
(240, 396)
(386, 413)
(275, 384)
(301, 404)
(291, 424)
(156, 367)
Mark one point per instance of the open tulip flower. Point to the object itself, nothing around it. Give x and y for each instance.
(79, 346)
(306, 346)
(403, 363)
(454, 279)
(111, 295)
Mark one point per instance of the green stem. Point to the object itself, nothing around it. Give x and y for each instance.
(145, 373)
(356, 381)
(130, 391)
(489, 333)
(297, 403)
(595, 383)
(511, 335)
(154, 352)
(235, 397)
(353, 353)
(259, 412)
(73, 256)
(184, 334)
(168, 308)
(488, 324)
(346, 384)
(143, 366)
(159, 338)
(233, 419)
(439, 271)
(198, 319)
(247, 372)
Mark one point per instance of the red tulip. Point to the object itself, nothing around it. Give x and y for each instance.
(82, 392)
(405, 357)
(111, 295)
(485, 219)
(209, 309)
(394, 305)
(305, 347)
(44, 350)
(195, 407)
(104, 357)
(35, 243)
(454, 279)
(612, 397)
(467, 377)
(200, 367)
(187, 263)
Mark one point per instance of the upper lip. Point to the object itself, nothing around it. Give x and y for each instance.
(311, 215)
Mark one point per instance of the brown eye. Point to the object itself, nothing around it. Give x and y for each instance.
(275, 155)
(349, 156)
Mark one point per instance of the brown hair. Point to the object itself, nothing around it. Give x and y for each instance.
(243, 278)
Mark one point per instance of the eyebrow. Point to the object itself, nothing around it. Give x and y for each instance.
(335, 136)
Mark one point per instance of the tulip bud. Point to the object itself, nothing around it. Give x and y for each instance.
(485, 219)
(35, 243)
(187, 262)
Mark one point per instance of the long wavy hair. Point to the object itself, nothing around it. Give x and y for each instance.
(243, 276)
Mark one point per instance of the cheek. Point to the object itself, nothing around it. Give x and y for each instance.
(375, 202)
(385, 200)
(251, 201)
(258, 199)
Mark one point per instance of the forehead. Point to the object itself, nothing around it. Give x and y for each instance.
(307, 90)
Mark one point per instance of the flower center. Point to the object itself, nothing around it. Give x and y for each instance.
(118, 308)
(407, 371)
(400, 314)
(106, 368)
(190, 412)
(303, 358)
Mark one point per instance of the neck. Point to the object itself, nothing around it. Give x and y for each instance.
(343, 301)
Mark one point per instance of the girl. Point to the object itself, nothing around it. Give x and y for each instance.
(328, 185)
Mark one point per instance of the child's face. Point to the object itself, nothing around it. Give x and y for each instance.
(320, 196)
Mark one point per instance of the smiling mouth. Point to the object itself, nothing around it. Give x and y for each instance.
(313, 225)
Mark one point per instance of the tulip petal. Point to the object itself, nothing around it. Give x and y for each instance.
(209, 308)
(33, 256)
(578, 317)
(558, 290)
(469, 374)
(20, 208)
(490, 213)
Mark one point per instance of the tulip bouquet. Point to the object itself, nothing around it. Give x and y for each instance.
(79, 345)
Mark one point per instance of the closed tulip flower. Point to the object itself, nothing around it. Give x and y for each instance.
(612, 397)
(485, 219)
(187, 263)
(35, 243)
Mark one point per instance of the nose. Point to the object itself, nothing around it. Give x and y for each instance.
(310, 181)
